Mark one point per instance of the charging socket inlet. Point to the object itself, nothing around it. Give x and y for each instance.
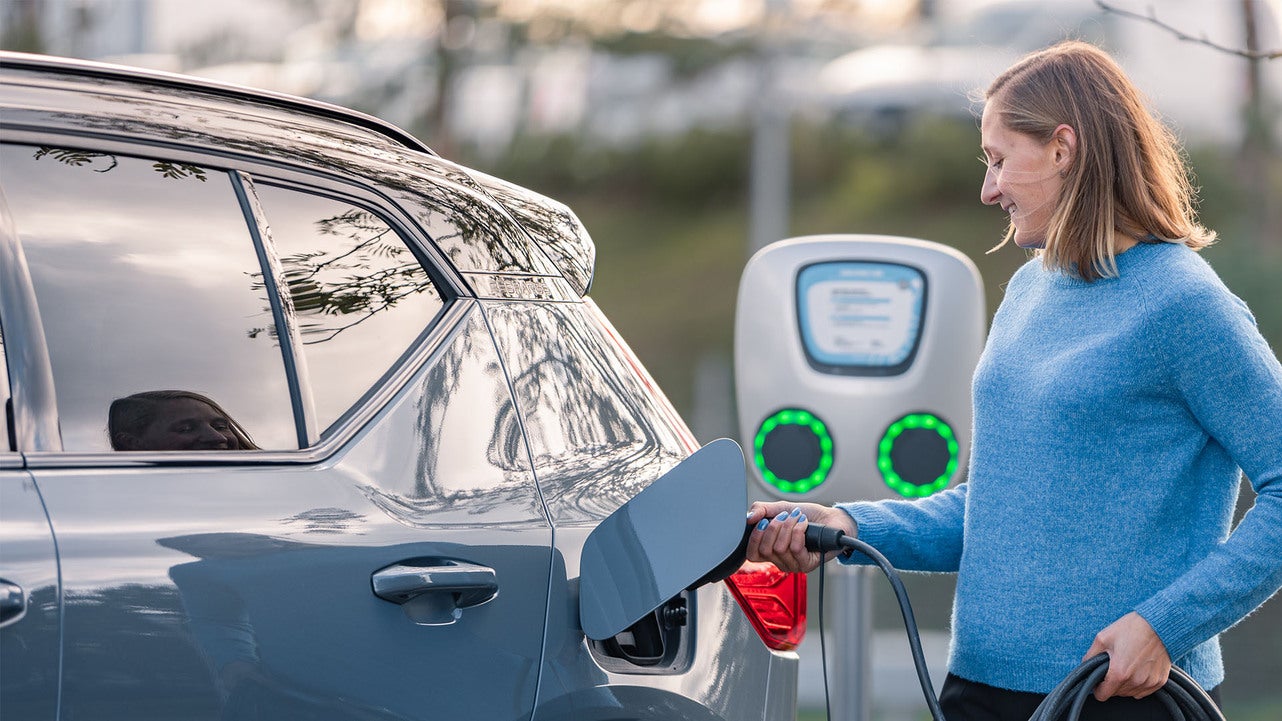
(659, 643)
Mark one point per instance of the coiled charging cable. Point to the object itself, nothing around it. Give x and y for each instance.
(1182, 697)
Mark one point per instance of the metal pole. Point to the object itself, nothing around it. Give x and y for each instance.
(849, 606)
(769, 180)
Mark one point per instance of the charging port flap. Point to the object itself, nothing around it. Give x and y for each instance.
(663, 540)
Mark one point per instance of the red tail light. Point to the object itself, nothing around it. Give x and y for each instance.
(774, 601)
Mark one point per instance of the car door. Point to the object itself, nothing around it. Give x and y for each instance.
(28, 561)
(289, 483)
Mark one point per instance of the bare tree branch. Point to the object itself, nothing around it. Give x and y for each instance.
(1151, 17)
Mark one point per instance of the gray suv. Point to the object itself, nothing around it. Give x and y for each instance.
(303, 421)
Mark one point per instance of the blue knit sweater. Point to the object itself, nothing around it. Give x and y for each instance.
(1111, 421)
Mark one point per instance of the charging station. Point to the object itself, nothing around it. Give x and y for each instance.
(853, 363)
(853, 360)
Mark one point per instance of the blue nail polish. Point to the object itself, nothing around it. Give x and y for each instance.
(801, 518)
(781, 517)
(764, 522)
(795, 512)
(749, 515)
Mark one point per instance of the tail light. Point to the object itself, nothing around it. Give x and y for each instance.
(774, 601)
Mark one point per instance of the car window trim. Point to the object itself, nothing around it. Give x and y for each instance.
(287, 334)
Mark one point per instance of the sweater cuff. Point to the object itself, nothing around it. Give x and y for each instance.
(1172, 623)
(868, 529)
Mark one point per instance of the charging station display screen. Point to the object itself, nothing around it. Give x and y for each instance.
(860, 317)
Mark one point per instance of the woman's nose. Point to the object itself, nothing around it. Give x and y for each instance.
(209, 433)
(988, 193)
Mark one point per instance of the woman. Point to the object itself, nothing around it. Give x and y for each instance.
(1122, 392)
(173, 421)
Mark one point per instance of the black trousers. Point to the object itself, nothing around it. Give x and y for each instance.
(963, 700)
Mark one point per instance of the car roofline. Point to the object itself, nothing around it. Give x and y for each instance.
(329, 111)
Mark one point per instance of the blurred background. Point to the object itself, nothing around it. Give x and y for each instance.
(688, 133)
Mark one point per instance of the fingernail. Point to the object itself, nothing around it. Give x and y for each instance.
(795, 512)
(801, 518)
(781, 517)
(764, 522)
(749, 515)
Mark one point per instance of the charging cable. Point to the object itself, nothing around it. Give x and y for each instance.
(824, 539)
(1182, 697)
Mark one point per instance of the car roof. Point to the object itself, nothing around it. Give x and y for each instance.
(162, 79)
(539, 236)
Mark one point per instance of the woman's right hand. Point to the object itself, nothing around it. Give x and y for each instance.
(780, 535)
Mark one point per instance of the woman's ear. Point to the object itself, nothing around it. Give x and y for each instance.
(1064, 142)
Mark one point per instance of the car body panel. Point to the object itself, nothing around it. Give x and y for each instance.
(600, 433)
(29, 640)
(232, 591)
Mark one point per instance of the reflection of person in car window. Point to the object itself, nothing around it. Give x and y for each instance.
(173, 421)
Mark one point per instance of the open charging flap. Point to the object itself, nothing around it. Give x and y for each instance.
(685, 529)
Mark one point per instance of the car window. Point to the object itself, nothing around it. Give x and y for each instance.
(360, 295)
(149, 287)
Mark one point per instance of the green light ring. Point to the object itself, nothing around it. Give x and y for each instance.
(794, 417)
(887, 467)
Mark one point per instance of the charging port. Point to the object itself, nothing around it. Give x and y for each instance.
(656, 644)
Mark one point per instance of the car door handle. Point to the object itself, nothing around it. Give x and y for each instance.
(13, 602)
(435, 591)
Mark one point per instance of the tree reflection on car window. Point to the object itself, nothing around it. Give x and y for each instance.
(81, 158)
(359, 294)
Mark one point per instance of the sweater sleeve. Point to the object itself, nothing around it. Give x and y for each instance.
(1231, 382)
(921, 535)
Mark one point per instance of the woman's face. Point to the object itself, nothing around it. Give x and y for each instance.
(1023, 177)
(186, 424)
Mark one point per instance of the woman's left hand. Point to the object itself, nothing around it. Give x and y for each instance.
(1138, 663)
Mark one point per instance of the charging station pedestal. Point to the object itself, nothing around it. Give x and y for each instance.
(853, 362)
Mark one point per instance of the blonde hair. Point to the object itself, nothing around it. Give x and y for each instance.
(1128, 172)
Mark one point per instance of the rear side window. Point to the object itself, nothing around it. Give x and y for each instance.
(360, 296)
(150, 291)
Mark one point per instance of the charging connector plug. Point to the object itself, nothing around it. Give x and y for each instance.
(825, 538)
